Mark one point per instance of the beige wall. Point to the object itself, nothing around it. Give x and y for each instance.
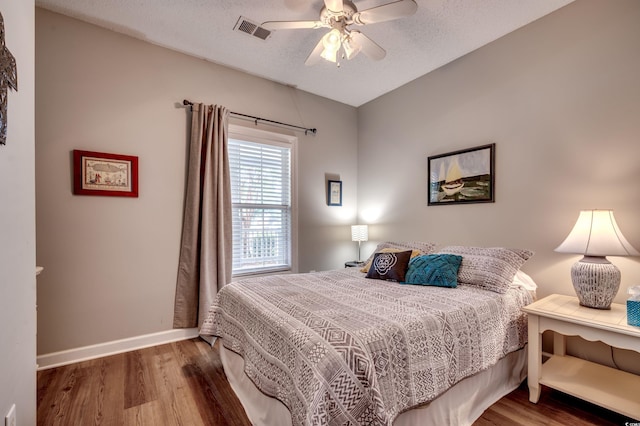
(111, 262)
(561, 100)
(17, 224)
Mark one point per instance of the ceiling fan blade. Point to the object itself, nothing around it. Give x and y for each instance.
(334, 5)
(314, 56)
(291, 25)
(369, 47)
(386, 12)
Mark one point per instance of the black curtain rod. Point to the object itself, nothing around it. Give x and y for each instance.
(256, 119)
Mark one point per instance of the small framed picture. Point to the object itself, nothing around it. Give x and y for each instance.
(462, 177)
(100, 173)
(334, 193)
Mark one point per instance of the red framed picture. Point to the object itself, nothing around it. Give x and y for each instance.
(100, 173)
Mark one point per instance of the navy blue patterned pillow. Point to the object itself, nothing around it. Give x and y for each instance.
(439, 270)
(389, 266)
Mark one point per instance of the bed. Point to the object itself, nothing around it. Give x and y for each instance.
(344, 348)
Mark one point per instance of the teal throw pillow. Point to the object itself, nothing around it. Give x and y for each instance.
(439, 270)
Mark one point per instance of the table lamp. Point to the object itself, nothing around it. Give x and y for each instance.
(359, 233)
(595, 236)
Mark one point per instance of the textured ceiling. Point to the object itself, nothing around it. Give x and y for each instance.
(439, 32)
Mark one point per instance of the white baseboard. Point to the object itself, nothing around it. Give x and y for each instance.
(70, 356)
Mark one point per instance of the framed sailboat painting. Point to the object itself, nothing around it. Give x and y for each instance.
(462, 177)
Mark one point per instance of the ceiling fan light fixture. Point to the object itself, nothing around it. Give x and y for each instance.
(331, 42)
(339, 15)
(351, 48)
(330, 55)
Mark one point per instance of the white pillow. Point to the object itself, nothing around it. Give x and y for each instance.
(525, 281)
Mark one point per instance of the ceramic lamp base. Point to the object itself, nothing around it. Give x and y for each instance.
(596, 281)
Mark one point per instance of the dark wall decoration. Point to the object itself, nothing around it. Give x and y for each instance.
(8, 79)
(465, 176)
(101, 173)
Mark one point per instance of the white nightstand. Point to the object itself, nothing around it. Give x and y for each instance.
(608, 387)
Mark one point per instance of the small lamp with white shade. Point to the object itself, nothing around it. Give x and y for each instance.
(359, 233)
(596, 235)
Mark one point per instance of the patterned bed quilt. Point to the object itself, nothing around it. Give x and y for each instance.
(337, 348)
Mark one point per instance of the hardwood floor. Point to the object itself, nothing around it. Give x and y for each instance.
(180, 383)
(183, 383)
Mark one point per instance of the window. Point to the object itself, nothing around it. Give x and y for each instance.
(262, 201)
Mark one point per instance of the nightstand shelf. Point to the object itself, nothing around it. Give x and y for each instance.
(605, 386)
(598, 384)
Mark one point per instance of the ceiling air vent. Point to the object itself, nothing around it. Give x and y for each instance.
(251, 28)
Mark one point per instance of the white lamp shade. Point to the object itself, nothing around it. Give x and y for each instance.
(331, 42)
(596, 233)
(359, 233)
(351, 48)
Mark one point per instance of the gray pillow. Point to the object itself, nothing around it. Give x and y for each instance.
(422, 247)
(490, 268)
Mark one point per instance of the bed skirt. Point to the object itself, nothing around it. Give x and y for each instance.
(460, 405)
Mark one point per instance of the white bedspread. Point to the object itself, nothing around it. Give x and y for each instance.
(337, 348)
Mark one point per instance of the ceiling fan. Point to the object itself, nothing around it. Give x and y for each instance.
(339, 15)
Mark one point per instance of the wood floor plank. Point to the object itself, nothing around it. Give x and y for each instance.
(82, 406)
(165, 371)
(110, 391)
(183, 384)
(61, 404)
(140, 386)
(209, 389)
(553, 409)
(47, 386)
(503, 412)
(174, 389)
(152, 413)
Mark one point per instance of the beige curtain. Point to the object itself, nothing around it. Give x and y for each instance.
(205, 253)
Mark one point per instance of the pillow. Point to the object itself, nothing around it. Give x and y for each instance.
(439, 270)
(521, 278)
(366, 267)
(389, 266)
(491, 268)
(423, 248)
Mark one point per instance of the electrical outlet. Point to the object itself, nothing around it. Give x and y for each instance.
(10, 418)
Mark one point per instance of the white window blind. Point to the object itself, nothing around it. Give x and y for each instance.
(261, 199)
